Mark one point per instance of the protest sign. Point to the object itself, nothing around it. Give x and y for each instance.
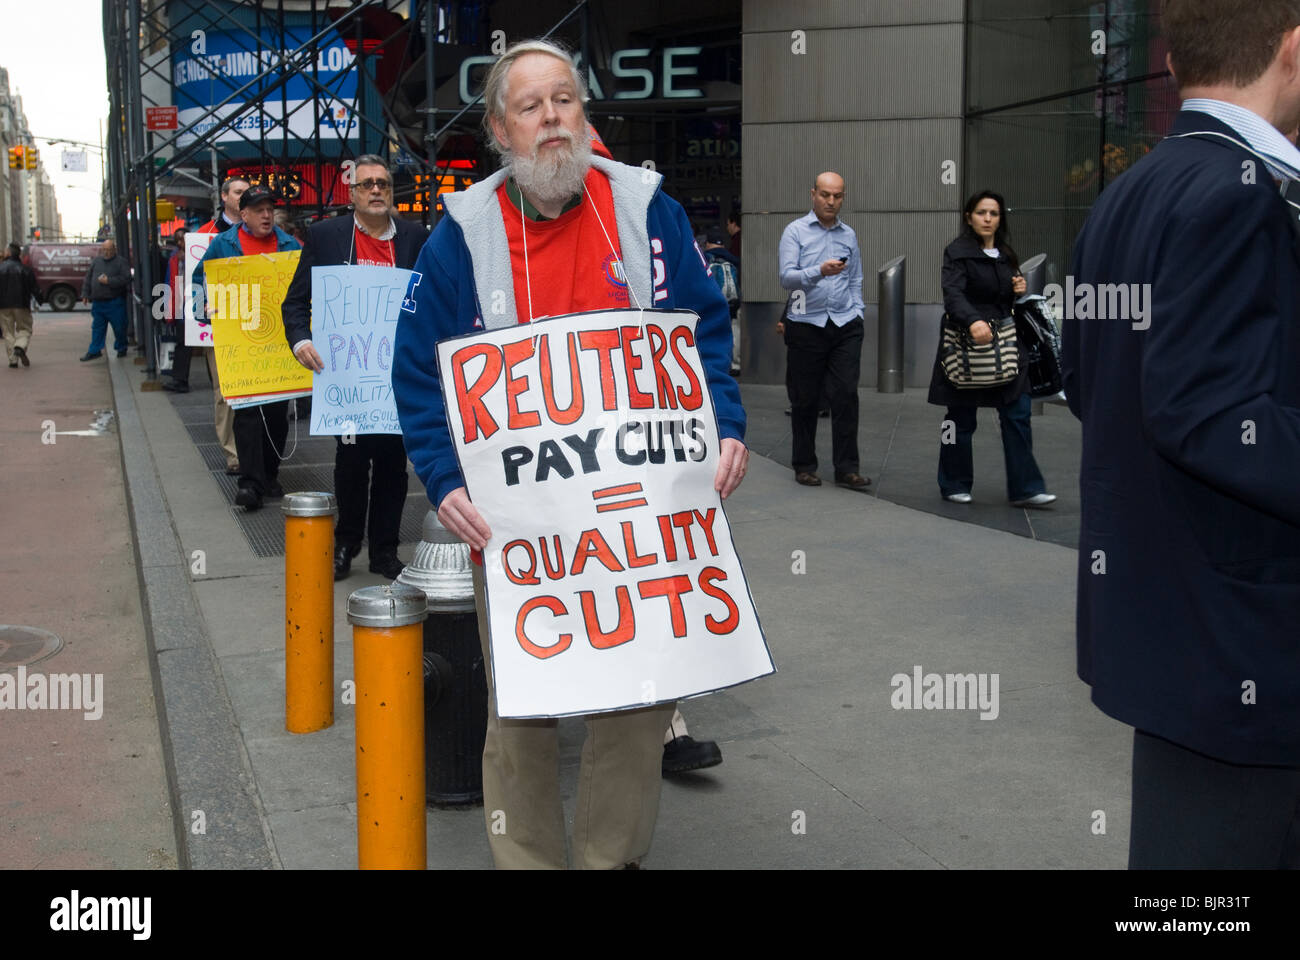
(354, 313)
(198, 332)
(254, 362)
(589, 444)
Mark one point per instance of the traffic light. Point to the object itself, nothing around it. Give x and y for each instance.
(31, 157)
(15, 158)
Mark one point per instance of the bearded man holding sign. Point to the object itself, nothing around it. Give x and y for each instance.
(557, 232)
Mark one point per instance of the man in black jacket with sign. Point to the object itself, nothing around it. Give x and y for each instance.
(374, 237)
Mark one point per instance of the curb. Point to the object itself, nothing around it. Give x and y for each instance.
(207, 769)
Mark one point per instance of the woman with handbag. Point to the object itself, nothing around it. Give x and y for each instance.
(981, 279)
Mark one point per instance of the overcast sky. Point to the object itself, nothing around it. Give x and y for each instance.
(54, 52)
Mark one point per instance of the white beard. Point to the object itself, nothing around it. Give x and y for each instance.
(554, 178)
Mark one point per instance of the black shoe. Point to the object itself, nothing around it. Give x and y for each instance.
(823, 414)
(21, 354)
(387, 566)
(91, 356)
(121, 353)
(13, 363)
(687, 753)
(343, 555)
(176, 386)
(249, 499)
(275, 491)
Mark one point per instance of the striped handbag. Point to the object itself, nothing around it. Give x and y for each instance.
(973, 366)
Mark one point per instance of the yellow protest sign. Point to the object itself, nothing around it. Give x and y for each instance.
(254, 361)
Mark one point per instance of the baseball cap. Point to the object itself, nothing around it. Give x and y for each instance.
(256, 195)
(715, 235)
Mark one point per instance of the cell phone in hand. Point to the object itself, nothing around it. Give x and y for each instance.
(844, 259)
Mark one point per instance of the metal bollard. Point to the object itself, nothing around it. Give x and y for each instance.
(308, 611)
(455, 681)
(892, 283)
(390, 729)
(1034, 270)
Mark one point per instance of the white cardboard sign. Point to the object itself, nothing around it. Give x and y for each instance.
(198, 331)
(589, 444)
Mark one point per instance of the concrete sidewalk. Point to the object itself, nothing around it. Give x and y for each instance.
(820, 770)
(79, 788)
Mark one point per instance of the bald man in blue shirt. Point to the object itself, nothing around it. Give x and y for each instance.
(821, 265)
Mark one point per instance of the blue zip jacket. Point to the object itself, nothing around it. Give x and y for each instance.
(468, 253)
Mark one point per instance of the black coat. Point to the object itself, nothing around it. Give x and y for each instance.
(975, 287)
(1191, 452)
(330, 244)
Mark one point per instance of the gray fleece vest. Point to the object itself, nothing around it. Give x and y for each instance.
(478, 215)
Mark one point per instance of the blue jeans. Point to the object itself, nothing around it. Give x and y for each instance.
(102, 313)
(956, 462)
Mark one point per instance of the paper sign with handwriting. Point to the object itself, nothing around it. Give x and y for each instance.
(589, 444)
(353, 322)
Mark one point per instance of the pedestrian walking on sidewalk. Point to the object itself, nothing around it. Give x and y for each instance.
(568, 205)
(261, 431)
(223, 417)
(981, 279)
(369, 469)
(17, 291)
(820, 263)
(1189, 545)
(105, 288)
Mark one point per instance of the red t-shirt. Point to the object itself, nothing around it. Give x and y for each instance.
(249, 244)
(374, 253)
(570, 261)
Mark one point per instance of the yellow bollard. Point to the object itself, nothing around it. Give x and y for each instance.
(308, 611)
(388, 663)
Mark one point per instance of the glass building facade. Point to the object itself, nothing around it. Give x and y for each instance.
(1058, 103)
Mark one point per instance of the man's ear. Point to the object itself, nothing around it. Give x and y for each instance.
(1290, 50)
(1169, 65)
(499, 131)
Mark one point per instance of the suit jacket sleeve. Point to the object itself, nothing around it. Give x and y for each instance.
(296, 310)
(1210, 357)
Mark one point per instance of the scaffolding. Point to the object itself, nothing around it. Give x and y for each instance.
(283, 93)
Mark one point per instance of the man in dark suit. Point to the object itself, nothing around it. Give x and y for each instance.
(1189, 552)
(372, 236)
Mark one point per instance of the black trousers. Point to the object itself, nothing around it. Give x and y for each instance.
(181, 359)
(260, 434)
(1191, 811)
(823, 360)
(383, 491)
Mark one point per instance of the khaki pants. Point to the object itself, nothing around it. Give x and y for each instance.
(223, 417)
(17, 325)
(618, 782)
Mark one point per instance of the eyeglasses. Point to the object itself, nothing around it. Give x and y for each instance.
(371, 184)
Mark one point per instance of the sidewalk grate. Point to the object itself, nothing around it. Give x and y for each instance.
(311, 467)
